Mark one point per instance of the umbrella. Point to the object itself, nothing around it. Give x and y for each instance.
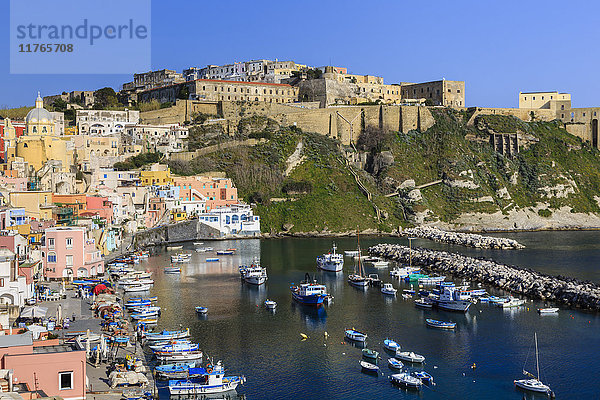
(36, 330)
(100, 288)
(34, 312)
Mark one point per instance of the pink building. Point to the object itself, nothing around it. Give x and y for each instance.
(156, 210)
(57, 370)
(100, 206)
(67, 252)
(219, 192)
(13, 184)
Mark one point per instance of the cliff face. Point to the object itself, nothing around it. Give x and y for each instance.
(448, 176)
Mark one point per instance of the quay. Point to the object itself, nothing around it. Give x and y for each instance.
(521, 281)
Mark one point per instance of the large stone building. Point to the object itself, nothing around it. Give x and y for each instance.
(218, 90)
(271, 71)
(84, 98)
(438, 93)
(545, 100)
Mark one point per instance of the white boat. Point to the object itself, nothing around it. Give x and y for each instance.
(254, 274)
(133, 275)
(406, 380)
(143, 309)
(409, 356)
(395, 364)
(367, 366)
(198, 243)
(404, 272)
(389, 289)
(204, 249)
(331, 261)
(351, 253)
(157, 346)
(355, 335)
(167, 335)
(449, 299)
(270, 304)
(551, 310)
(181, 258)
(431, 280)
(175, 357)
(513, 302)
(136, 288)
(128, 282)
(376, 262)
(391, 345)
(211, 380)
(174, 247)
(172, 270)
(423, 303)
(533, 384)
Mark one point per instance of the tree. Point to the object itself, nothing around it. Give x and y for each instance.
(59, 105)
(314, 73)
(105, 98)
(184, 93)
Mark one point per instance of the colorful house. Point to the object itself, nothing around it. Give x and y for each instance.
(219, 192)
(57, 370)
(67, 252)
(157, 174)
(37, 205)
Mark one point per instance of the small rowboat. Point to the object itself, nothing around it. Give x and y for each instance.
(391, 345)
(422, 303)
(212, 259)
(167, 335)
(404, 379)
(548, 310)
(174, 247)
(270, 304)
(150, 298)
(440, 324)
(225, 252)
(425, 378)
(410, 356)
(395, 364)
(370, 354)
(366, 366)
(202, 310)
(355, 335)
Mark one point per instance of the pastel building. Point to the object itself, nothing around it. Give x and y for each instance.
(11, 218)
(56, 370)
(234, 220)
(67, 252)
(37, 205)
(157, 174)
(218, 192)
(14, 288)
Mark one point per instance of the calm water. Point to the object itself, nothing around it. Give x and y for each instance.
(267, 348)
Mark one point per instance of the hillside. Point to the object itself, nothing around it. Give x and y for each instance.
(552, 183)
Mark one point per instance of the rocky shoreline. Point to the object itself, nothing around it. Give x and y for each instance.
(462, 239)
(521, 281)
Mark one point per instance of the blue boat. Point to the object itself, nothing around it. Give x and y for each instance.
(214, 259)
(167, 335)
(391, 345)
(310, 293)
(440, 324)
(426, 378)
(174, 368)
(209, 380)
(201, 310)
(395, 364)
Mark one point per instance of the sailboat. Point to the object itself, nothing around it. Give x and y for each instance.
(533, 384)
(357, 279)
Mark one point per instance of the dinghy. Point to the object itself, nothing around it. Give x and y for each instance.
(394, 363)
(370, 354)
(440, 324)
(409, 356)
(366, 366)
(406, 380)
(355, 335)
(548, 310)
(270, 304)
(202, 310)
(425, 377)
(391, 345)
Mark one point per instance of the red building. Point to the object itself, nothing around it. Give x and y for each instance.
(19, 127)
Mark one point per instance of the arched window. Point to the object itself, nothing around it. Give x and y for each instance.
(44, 130)
(235, 219)
(51, 257)
(35, 129)
(227, 219)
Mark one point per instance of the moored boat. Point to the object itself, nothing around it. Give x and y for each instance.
(355, 335)
(175, 247)
(424, 377)
(394, 363)
(212, 259)
(331, 261)
(449, 300)
(388, 289)
(391, 345)
(512, 302)
(270, 304)
(211, 379)
(254, 274)
(370, 354)
(137, 288)
(406, 380)
(551, 310)
(440, 324)
(423, 303)
(202, 310)
(176, 357)
(410, 356)
(167, 335)
(533, 384)
(310, 293)
(369, 367)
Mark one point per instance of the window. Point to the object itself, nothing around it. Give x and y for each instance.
(69, 243)
(52, 257)
(65, 380)
(69, 260)
(50, 243)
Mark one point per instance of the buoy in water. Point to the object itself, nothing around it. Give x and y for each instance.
(304, 337)
(473, 366)
(326, 334)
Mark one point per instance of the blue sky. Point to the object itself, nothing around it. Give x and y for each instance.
(497, 48)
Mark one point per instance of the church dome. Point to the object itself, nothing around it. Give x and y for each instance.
(39, 114)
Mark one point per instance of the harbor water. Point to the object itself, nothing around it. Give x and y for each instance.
(478, 360)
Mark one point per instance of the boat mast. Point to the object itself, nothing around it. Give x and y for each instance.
(537, 359)
(359, 252)
(410, 252)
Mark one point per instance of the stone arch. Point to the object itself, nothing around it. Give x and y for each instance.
(7, 298)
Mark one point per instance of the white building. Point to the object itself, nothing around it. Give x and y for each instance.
(170, 138)
(237, 219)
(13, 288)
(104, 122)
(111, 179)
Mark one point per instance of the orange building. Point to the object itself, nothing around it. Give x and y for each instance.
(219, 192)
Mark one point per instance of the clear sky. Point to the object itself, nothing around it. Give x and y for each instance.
(497, 47)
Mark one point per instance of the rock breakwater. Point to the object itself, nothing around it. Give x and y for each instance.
(462, 239)
(521, 281)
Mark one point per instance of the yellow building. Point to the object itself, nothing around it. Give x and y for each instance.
(37, 205)
(178, 216)
(545, 100)
(157, 175)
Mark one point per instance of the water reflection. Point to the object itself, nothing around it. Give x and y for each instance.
(314, 317)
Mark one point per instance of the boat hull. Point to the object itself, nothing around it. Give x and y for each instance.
(190, 388)
(311, 300)
(532, 385)
(255, 280)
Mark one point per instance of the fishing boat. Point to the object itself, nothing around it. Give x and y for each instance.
(406, 380)
(210, 380)
(174, 247)
(423, 303)
(388, 289)
(331, 261)
(357, 279)
(212, 259)
(310, 293)
(374, 280)
(498, 300)
(424, 377)
(149, 298)
(156, 346)
(174, 371)
(395, 364)
(367, 366)
(551, 310)
(254, 274)
(533, 384)
(409, 356)
(179, 348)
(403, 272)
(391, 345)
(181, 258)
(440, 324)
(177, 357)
(270, 304)
(414, 277)
(511, 303)
(225, 252)
(129, 282)
(145, 315)
(137, 288)
(406, 296)
(202, 310)
(355, 335)
(204, 249)
(198, 243)
(138, 303)
(172, 270)
(431, 280)
(167, 335)
(449, 300)
(370, 354)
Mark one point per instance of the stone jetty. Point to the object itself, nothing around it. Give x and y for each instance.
(462, 239)
(521, 281)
